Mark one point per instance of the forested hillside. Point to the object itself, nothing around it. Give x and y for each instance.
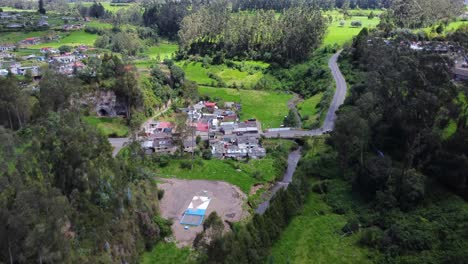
(388, 185)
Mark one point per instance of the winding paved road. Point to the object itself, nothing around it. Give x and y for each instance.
(329, 123)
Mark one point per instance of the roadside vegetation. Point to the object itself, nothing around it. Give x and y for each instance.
(109, 127)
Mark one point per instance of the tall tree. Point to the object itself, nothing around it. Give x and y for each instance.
(41, 9)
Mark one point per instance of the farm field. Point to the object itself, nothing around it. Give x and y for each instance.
(268, 107)
(251, 73)
(339, 35)
(75, 38)
(313, 237)
(308, 108)
(110, 127)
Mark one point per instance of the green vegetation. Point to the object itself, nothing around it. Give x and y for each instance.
(75, 38)
(15, 37)
(338, 34)
(269, 108)
(108, 126)
(240, 174)
(314, 237)
(309, 110)
(162, 50)
(166, 253)
(243, 74)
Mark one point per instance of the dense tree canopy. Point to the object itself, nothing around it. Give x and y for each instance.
(291, 37)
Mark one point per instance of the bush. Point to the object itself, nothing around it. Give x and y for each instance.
(372, 237)
(160, 194)
(356, 23)
(206, 155)
(185, 164)
(351, 226)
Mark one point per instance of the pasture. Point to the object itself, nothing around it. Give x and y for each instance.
(314, 237)
(75, 38)
(339, 35)
(268, 107)
(164, 50)
(243, 74)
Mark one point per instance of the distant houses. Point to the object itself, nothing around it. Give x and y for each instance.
(31, 41)
(7, 47)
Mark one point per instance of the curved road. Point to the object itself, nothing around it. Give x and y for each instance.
(329, 123)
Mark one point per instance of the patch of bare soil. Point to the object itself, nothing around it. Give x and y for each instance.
(226, 199)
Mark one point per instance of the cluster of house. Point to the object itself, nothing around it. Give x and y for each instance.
(67, 63)
(11, 20)
(454, 52)
(227, 136)
(432, 46)
(70, 27)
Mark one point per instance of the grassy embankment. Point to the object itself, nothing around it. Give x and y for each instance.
(110, 127)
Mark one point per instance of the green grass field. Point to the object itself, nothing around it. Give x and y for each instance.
(225, 170)
(75, 38)
(195, 71)
(164, 50)
(339, 35)
(107, 5)
(451, 27)
(313, 237)
(114, 127)
(269, 108)
(166, 253)
(14, 37)
(308, 108)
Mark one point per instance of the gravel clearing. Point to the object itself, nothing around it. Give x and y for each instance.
(227, 200)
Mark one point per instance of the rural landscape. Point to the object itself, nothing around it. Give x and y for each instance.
(234, 131)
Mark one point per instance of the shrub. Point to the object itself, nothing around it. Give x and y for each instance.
(356, 23)
(160, 194)
(206, 154)
(185, 164)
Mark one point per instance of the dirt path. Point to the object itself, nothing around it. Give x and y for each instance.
(227, 200)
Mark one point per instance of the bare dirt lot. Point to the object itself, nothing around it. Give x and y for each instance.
(227, 200)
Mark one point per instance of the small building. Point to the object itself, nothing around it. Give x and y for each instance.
(3, 72)
(210, 105)
(31, 41)
(189, 145)
(42, 23)
(7, 47)
(461, 73)
(14, 25)
(49, 50)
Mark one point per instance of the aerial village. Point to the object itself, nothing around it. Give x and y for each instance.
(227, 136)
(25, 63)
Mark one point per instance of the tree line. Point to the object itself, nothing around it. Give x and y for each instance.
(390, 143)
(289, 38)
(322, 4)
